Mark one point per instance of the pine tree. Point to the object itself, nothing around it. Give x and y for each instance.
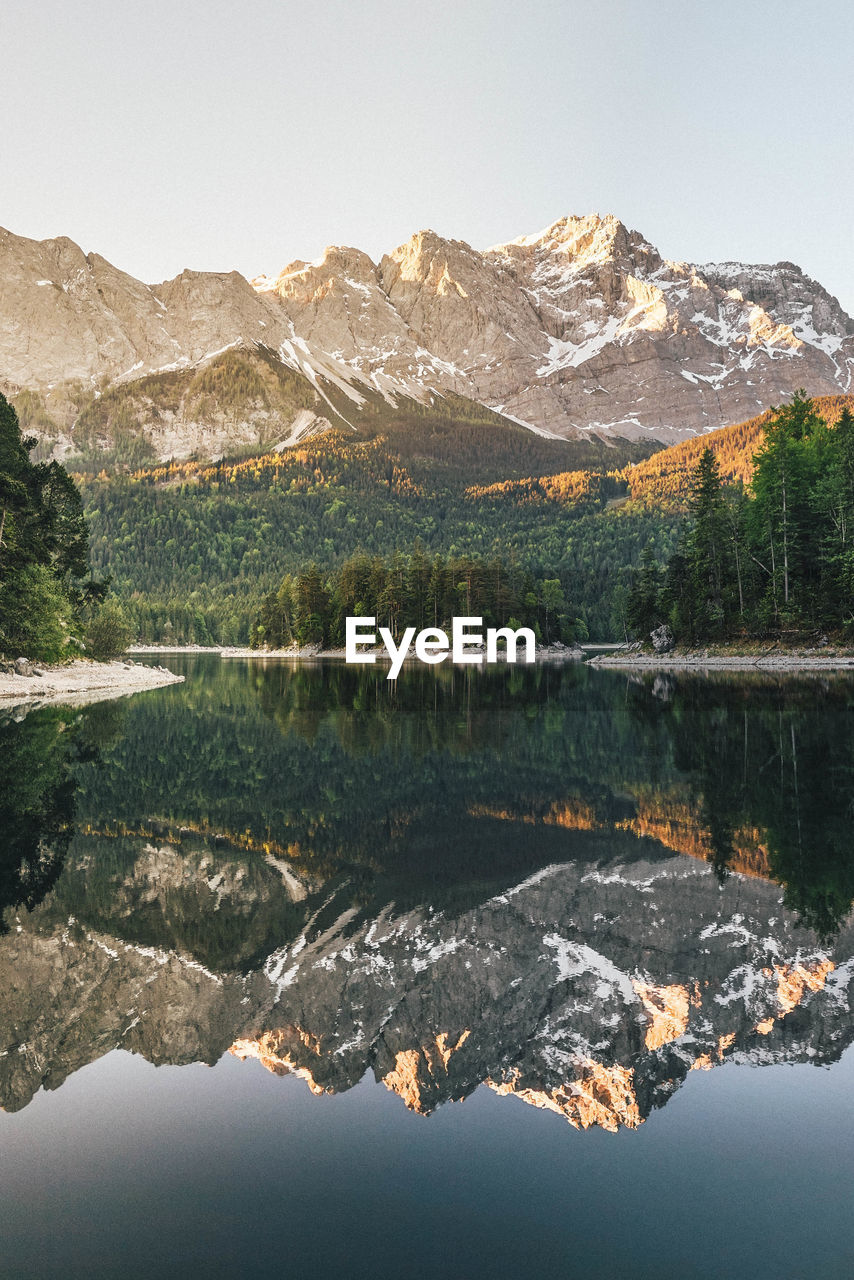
(312, 599)
(708, 550)
(783, 531)
(643, 608)
(43, 546)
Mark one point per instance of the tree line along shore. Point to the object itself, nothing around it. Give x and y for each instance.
(51, 608)
(769, 560)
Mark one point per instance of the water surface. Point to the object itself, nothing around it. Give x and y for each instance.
(263, 930)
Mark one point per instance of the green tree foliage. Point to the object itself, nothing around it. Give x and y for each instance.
(417, 590)
(643, 607)
(43, 547)
(782, 514)
(777, 558)
(194, 549)
(35, 614)
(107, 633)
(708, 548)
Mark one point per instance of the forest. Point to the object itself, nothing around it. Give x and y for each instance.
(774, 557)
(743, 533)
(194, 549)
(418, 590)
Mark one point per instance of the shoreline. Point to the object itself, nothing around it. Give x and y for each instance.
(552, 653)
(719, 660)
(81, 681)
(606, 656)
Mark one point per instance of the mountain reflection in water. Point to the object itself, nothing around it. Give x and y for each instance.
(570, 886)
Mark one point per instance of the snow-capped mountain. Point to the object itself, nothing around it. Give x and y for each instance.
(592, 988)
(581, 327)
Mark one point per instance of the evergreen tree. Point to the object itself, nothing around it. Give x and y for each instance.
(644, 609)
(775, 557)
(43, 547)
(708, 551)
(677, 596)
(783, 532)
(412, 590)
(832, 503)
(312, 607)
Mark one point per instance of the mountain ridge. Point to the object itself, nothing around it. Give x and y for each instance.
(581, 328)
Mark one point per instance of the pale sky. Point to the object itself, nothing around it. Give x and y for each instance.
(211, 135)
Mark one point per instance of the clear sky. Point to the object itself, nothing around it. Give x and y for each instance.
(173, 133)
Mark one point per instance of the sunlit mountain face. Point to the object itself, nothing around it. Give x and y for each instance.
(582, 328)
(563, 885)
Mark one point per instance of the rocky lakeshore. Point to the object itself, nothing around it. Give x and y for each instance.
(721, 658)
(618, 657)
(79, 681)
(545, 653)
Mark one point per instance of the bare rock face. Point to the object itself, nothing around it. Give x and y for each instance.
(66, 316)
(344, 328)
(662, 639)
(790, 297)
(581, 327)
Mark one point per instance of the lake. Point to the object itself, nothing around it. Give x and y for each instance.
(524, 972)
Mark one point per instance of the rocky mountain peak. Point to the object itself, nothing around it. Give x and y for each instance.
(787, 293)
(307, 280)
(582, 326)
(573, 235)
(428, 259)
(582, 242)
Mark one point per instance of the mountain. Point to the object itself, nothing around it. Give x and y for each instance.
(581, 328)
(552, 990)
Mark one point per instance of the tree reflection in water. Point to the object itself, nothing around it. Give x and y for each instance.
(463, 877)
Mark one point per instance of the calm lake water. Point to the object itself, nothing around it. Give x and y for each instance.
(523, 973)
